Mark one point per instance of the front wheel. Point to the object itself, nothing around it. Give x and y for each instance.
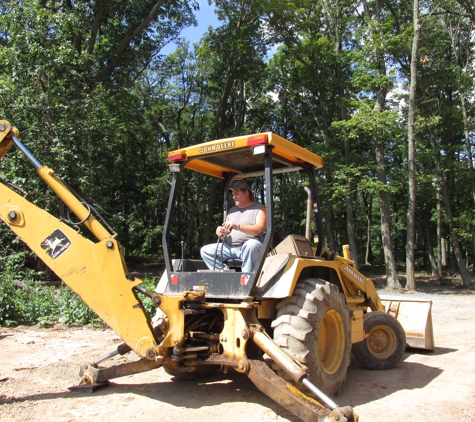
(313, 327)
(386, 342)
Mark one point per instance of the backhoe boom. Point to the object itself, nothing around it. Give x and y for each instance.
(95, 271)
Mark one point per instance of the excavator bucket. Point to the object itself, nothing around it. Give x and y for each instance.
(415, 317)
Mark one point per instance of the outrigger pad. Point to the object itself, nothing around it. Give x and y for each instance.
(88, 388)
(415, 316)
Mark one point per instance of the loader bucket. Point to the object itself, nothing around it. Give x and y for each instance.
(415, 317)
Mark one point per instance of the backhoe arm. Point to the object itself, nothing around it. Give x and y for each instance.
(95, 271)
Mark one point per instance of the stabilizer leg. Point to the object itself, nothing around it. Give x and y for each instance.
(93, 377)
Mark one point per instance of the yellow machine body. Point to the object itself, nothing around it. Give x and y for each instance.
(97, 272)
(220, 158)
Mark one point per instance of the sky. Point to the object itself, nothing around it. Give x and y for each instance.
(205, 17)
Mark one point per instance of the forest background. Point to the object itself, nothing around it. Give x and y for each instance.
(383, 90)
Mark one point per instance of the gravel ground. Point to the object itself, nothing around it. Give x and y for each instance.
(38, 366)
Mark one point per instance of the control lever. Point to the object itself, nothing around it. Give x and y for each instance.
(221, 250)
(182, 256)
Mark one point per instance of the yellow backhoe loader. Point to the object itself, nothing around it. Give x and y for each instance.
(289, 325)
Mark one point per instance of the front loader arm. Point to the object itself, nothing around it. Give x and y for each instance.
(95, 271)
(360, 290)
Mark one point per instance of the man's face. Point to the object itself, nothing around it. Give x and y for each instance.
(239, 198)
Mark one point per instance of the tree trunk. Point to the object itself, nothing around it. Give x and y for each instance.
(468, 150)
(329, 178)
(209, 214)
(350, 219)
(350, 216)
(464, 274)
(411, 209)
(468, 146)
(443, 247)
(350, 227)
(329, 229)
(430, 247)
(457, 250)
(368, 208)
(194, 212)
(463, 64)
(473, 248)
(439, 235)
(336, 30)
(221, 111)
(390, 261)
(240, 108)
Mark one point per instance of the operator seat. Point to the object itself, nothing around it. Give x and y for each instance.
(234, 263)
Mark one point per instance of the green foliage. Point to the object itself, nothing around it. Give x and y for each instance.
(148, 284)
(73, 310)
(42, 305)
(94, 99)
(8, 309)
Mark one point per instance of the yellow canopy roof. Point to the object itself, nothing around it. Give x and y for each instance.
(242, 155)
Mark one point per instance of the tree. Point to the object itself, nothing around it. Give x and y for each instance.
(411, 209)
(314, 34)
(67, 72)
(381, 84)
(443, 125)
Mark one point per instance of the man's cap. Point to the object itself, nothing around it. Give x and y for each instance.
(239, 184)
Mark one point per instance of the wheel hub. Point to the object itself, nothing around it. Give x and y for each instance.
(331, 341)
(381, 342)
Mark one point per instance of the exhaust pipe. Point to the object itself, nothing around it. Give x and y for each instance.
(308, 225)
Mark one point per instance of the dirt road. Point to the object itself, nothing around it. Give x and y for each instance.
(37, 366)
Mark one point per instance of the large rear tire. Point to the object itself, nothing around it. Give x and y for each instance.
(313, 327)
(386, 342)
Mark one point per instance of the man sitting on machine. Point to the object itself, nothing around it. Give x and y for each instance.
(241, 232)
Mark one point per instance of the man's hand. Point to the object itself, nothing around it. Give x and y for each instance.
(225, 228)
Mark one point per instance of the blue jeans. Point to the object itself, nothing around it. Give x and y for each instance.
(247, 252)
